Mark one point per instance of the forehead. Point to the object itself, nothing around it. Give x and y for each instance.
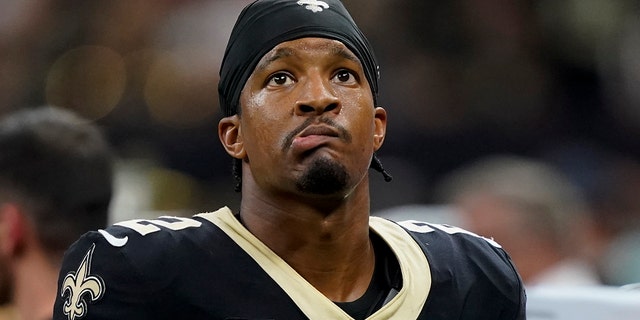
(309, 46)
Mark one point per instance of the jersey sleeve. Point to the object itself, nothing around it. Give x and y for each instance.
(469, 272)
(110, 274)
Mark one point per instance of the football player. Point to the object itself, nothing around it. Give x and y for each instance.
(298, 90)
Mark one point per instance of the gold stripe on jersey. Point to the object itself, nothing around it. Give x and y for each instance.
(416, 274)
(407, 304)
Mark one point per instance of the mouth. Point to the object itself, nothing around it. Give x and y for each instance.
(318, 130)
(312, 138)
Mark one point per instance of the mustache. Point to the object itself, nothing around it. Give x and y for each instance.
(342, 132)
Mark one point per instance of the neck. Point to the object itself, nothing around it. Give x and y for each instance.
(331, 249)
(35, 287)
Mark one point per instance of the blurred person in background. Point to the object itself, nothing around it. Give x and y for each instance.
(610, 181)
(55, 184)
(530, 208)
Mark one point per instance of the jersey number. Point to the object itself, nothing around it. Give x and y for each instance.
(144, 227)
(423, 227)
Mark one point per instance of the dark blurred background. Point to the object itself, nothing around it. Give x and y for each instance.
(557, 81)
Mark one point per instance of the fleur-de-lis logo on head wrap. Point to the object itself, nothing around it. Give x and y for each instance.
(81, 285)
(314, 5)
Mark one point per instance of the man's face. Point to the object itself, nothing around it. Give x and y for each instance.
(308, 123)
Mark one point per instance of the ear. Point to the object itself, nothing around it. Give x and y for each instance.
(12, 228)
(230, 134)
(380, 129)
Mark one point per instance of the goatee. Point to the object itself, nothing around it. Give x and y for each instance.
(323, 177)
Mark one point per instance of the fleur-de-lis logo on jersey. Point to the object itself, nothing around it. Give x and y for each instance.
(314, 5)
(81, 285)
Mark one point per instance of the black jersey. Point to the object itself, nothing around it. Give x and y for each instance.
(210, 267)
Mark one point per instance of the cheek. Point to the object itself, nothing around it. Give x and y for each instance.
(261, 124)
(258, 136)
(262, 107)
(255, 100)
(362, 122)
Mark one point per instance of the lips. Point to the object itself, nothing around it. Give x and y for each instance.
(313, 137)
(318, 131)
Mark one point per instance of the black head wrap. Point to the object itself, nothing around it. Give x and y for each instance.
(266, 23)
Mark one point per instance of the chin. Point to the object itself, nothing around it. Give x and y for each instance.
(324, 177)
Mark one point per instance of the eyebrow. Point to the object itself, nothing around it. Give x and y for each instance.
(277, 55)
(344, 53)
(287, 52)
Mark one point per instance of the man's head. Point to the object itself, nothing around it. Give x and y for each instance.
(271, 31)
(528, 206)
(55, 180)
(265, 23)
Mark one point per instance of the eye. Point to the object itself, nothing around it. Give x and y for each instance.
(345, 76)
(280, 79)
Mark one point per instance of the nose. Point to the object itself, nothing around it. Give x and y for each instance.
(317, 97)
